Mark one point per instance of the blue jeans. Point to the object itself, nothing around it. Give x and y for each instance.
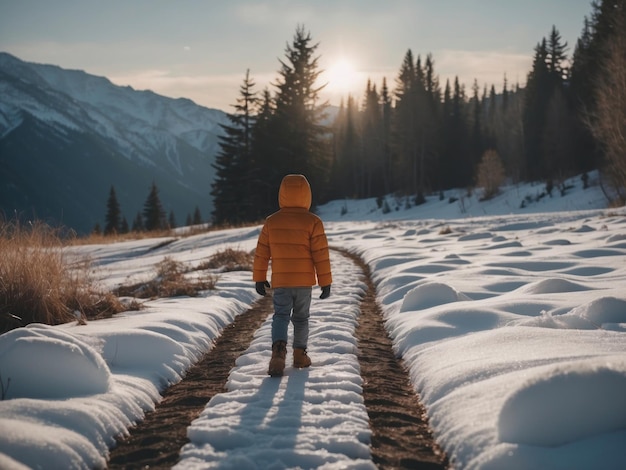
(286, 301)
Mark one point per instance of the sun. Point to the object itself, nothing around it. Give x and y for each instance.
(342, 77)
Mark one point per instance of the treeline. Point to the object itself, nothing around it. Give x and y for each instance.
(153, 217)
(424, 137)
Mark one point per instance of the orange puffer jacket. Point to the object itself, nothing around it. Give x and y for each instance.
(294, 239)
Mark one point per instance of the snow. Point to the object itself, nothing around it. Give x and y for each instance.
(511, 320)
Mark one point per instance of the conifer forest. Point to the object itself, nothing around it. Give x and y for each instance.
(417, 136)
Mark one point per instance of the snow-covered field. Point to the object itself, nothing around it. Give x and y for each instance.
(512, 321)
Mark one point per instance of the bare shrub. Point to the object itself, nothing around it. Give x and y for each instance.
(490, 174)
(170, 281)
(38, 284)
(229, 260)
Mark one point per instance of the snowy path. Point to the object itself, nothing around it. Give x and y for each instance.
(311, 418)
(399, 436)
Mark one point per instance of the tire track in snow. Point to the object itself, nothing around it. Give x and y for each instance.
(401, 436)
(156, 441)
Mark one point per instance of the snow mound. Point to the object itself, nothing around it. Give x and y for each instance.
(475, 236)
(616, 238)
(608, 313)
(566, 403)
(430, 295)
(553, 286)
(602, 311)
(137, 350)
(26, 439)
(42, 362)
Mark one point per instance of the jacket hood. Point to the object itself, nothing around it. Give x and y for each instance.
(294, 191)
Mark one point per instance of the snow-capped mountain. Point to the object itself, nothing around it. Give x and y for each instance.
(67, 136)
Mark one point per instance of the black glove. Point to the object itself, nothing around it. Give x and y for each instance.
(260, 287)
(325, 292)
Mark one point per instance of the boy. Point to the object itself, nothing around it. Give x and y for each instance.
(294, 239)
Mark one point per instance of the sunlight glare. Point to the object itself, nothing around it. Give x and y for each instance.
(342, 77)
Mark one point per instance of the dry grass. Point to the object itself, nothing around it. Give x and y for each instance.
(38, 284)
(229, 260)
(170, 281)
(101, 239)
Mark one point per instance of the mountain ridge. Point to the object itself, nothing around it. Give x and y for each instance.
(99, 135)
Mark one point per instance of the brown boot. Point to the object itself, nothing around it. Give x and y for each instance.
(300, 358)
(277, 362)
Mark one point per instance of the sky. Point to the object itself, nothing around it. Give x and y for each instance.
(202, 49)
(512, 325)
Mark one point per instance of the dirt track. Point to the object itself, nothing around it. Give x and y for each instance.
(401, 438)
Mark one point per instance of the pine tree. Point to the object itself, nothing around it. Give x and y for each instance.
(475, 148)
(267, 171)
(232, 194)
(427, 96)
(404, 124)
(509, 131)
(171, 220)
(153, 212)
(197, 216)
(432, 124)
(346, 174)
(608, 123)
(138, 225)
(591, 53)
(581, 86)
(124, 225)
(446, 160)
(112, 219)
(557, 55)
(386, 133)
(537, 95)
(371, 138)
(462, 171)
(300, 139)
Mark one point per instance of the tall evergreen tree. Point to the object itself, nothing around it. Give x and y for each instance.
(446, 160)
(112, 222)
(197, 216)
(386, 136)
(538, 91)
(138, 225)
(153, 212)
(608, 122)
(346, 174)
(557, 133)
(371, 138)
(462, 172)
(405, 143)
(556, 56)
(427, 126)
(476, 146)
(300, 139)
(265, 158)
(233, 197)
(591, 52)
(124, 225)
(171, 220)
